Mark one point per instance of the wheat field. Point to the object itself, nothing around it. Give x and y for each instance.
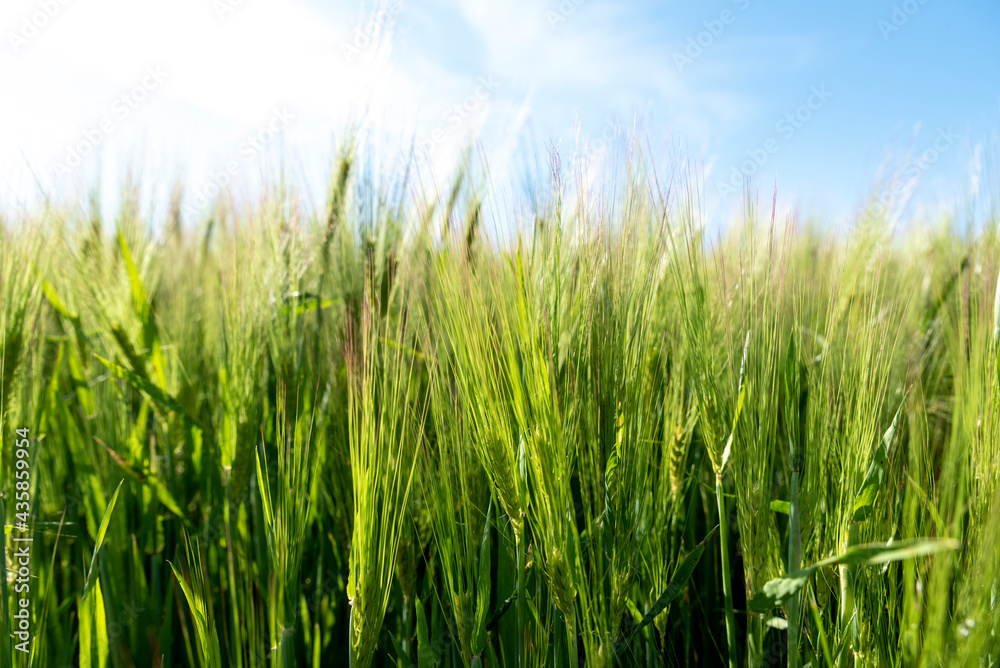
(386, 434)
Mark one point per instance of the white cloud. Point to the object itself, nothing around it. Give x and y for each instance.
(224, 79)
(226, 76)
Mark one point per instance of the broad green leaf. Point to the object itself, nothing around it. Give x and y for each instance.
(56, 302)
(138, 291)
(302, 304)
(677, 584)
(865, 500)
(74, 319)
(185, 588)
(402, 661)
(646, 631)
(783, 507)
(874, 555)
(144, 310)
(265, 495)
(483, 586)
(265, 498)
(135, 360)
(86, 633)
(166, 498)
(425, 655)
(94, 649)
(100, 625)
(775, 592)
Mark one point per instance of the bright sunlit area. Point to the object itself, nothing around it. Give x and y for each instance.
(823, 102)
(499, 333)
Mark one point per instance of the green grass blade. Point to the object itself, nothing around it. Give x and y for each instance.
(99, 540)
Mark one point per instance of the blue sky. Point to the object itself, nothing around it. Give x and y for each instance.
(720, 76)
(816, 97)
